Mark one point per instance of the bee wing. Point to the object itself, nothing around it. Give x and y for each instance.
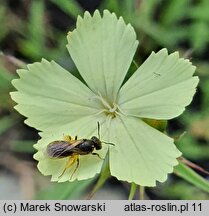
(57, 149)
(73, 144)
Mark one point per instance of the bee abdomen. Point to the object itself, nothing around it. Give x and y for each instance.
(58, 149)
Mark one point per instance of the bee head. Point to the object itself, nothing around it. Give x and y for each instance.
(97, 143)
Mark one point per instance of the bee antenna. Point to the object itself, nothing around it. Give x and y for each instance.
(98, 129)
(108, 143)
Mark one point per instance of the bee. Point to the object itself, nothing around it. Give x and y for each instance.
(73, 148)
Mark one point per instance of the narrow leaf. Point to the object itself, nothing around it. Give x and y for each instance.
(189, 175)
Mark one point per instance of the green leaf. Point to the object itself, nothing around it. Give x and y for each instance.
(141, 154)
(193, 149)
(102, 48)
(181, 190)
(192, 177)
(63, 191)
(6, 123)
(50, 97)
(199, 36)
(175, 11)
(72, 8)
(34, 44)
(4, 27)
(36, 25)
(105, 174)
(112, 5)
(199, 12)
(22, 146)
(160, 89)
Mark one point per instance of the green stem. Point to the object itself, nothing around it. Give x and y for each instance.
(105, 174)
(141, 192)
(132, 191)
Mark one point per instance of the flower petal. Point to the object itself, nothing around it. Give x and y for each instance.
(142, 154)
(89, 166)
(50, 96)
(102, 49)
(160, 88)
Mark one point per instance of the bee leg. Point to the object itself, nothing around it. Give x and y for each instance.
(68, 138)
(76, 137)
(77, 165)
(97, 155)
(70, 162)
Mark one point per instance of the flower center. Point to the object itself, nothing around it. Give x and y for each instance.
(110, 109)
(113, 109)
